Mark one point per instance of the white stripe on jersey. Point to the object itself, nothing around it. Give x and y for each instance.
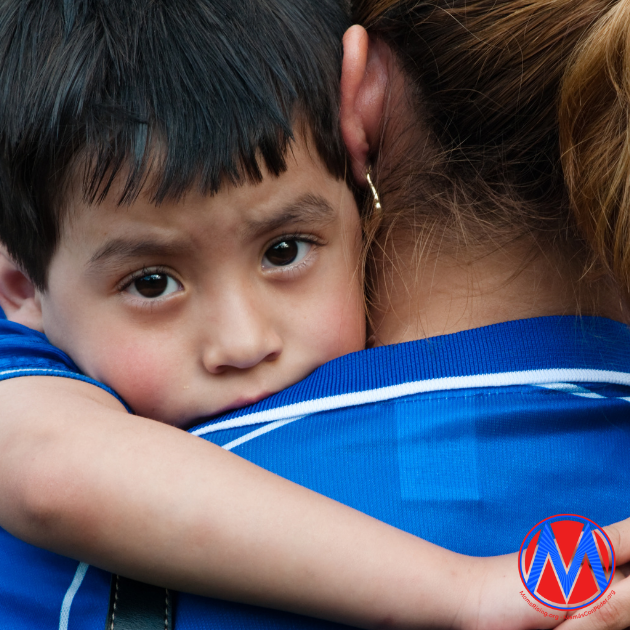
(506, 379)
(64, 615)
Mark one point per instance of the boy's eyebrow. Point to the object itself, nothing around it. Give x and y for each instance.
(308, 209)
(122, 249)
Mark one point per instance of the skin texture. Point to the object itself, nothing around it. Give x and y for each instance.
(162, 506)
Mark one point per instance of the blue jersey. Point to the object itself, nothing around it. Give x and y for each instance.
(467, 440)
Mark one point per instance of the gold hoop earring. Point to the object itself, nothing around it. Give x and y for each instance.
(377, 201)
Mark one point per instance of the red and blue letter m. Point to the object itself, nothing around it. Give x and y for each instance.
(566, 562)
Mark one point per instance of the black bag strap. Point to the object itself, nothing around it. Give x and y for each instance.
(138, 606)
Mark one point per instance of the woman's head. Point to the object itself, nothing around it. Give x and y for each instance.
(478, 156)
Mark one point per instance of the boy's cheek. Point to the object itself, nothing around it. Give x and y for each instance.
(139, 370)
(143, 380)
(338, 329)
(332, 309)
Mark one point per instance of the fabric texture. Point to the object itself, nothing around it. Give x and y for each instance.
(466, 440)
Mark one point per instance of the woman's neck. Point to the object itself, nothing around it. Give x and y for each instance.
(443, 293)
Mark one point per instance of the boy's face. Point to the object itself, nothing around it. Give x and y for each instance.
(210, 303)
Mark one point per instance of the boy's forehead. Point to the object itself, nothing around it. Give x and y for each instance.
(305, 192)
(155, 239)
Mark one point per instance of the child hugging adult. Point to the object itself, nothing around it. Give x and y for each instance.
(507, 405)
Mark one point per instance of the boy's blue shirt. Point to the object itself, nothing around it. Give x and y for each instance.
(26, 352)
(467, 440)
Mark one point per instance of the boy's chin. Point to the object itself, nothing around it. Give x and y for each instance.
(240, 403)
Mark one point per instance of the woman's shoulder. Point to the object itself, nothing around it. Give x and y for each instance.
(539, 351)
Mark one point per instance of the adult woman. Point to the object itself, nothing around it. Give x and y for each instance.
(502, 179)
(518, 205)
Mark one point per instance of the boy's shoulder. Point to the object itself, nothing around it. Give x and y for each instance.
(27, 352)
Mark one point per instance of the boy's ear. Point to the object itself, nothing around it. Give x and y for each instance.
(18, 298)
(364, 82)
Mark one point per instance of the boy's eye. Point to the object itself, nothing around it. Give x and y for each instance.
(153, 285)
(285, 253)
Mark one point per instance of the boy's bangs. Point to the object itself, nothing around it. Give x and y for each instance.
(167, 160)
(218, 104)
(163, 95)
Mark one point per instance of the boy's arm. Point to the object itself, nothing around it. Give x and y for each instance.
(82, 477)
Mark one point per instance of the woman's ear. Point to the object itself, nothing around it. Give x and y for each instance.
(364, 82)
(18, 298)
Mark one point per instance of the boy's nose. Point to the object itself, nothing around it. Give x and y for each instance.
(242, 339)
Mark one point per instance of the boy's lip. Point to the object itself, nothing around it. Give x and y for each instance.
(240, 403)
(246, 402)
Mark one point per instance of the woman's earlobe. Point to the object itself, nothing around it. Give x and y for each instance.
(364, 82)
(18, 298)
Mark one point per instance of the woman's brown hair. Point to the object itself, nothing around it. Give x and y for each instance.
(486, 77)
(595, 139)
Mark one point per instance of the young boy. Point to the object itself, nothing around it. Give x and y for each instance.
(177, 224)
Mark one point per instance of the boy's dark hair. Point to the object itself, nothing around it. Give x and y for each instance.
(169, 94)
